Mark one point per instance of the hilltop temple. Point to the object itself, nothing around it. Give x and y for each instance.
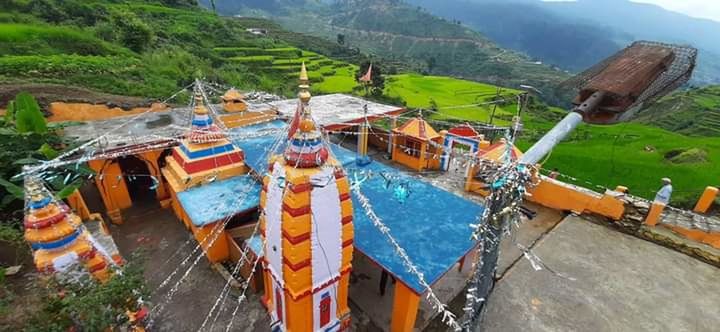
(269, 182)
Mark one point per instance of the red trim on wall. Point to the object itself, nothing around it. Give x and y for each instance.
(90, 254)
(298, 266)
(208, 163)
(347, 219)
(296, 212)
(296, 239)
(300, 187)
(45, 222)
(347, 243)
(97, 267)
(323, 286)
(344, 197)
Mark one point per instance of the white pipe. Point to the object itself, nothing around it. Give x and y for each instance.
(552, 138)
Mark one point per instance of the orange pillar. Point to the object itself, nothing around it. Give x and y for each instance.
(706, 200)
(342, 305)
(113, 189)
(395, 144)
(267, 288)
(654, 214)
(423, 158)
(405, 307)
(76, 201)
(299, 312)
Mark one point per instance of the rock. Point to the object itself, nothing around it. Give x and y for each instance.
(635, 217)
(641, 204)
(13, 270)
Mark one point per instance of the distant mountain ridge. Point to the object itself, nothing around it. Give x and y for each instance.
(526, 27)
(574, 35)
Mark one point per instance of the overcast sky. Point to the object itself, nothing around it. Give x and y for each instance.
(696, 8)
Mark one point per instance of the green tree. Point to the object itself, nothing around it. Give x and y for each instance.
(431, 62)
(133, 32)
(433, 105)
(26, 138)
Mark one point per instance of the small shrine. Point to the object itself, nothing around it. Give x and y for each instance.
(58, 238)
(497, 153)
(205, 173)
(417, 145)
(237, 112)
(307, 230)
(233, 101)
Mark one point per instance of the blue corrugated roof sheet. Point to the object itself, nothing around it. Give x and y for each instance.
(208, 203)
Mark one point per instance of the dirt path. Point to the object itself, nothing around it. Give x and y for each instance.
(166, 243)
(48, 93)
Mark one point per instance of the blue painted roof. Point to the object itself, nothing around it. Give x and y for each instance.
(431, 224)
(214, 201)
(255, 148)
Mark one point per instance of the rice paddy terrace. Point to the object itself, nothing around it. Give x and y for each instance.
(327, 75)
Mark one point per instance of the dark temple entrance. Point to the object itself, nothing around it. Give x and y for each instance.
(139, 182)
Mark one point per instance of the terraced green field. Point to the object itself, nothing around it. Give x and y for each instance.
(326, 75)
(452, 97)
(694, 112)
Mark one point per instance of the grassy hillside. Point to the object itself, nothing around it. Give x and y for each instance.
(139, 48)
(636, 156)
(693, 112)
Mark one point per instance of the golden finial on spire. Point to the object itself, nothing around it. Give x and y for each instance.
(303, 74)
(304, 93)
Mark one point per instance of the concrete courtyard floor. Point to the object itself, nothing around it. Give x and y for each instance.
(165, 243)
(618, 283)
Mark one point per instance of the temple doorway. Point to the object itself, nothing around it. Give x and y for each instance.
(140, 184)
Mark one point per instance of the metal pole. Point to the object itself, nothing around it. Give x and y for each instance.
(561, 130)
(552, 138)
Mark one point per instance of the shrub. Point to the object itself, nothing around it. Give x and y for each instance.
(91, 306)
(133, 32)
